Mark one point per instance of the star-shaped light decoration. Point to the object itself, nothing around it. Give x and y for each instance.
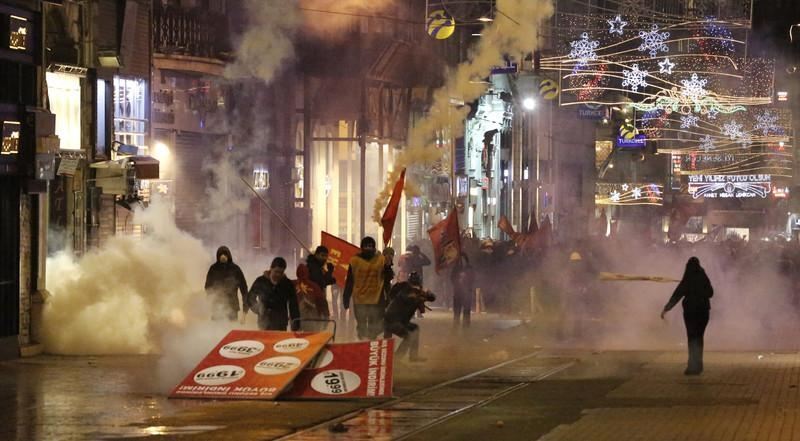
(625, 187)
(162, 188)
(665, 66)
(616, 25)
(637, 193)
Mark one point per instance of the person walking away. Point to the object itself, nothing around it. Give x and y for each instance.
(274, 299)
(310, 301)
(321, 273)
(405, 299)
(223, 279)
(695, 292)
(413, 261)
(364, 286)
(462, 278)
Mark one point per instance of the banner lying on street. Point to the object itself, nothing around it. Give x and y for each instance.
(348, 370)
(252, 365)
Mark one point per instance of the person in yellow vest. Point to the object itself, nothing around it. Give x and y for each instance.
(364, 285)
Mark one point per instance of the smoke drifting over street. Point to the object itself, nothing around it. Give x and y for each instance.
(118, 299)
(504, 36)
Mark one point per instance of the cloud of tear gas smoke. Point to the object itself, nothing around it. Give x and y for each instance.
(504, 36)
(226, 194)
(754, 306)
(329, 18)
(267, 43)
(121, 297)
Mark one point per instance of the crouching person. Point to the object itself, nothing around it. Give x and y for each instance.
(406, 298)
(274, 299)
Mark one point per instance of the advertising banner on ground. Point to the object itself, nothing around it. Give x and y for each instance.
(340, 252)
(347, 370)
(255, 365)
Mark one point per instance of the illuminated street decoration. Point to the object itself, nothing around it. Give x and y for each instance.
(689, 121)
(629, 194)
(746, 140)
(665, 66)
(673, 101)
(653, 41)
(634, 78)
(729, 186)
(715, 39)
(18, 33)
(732, 130)
(707, 143)
(694, 89)
(583, 50)
(766, 123)
(616, 25)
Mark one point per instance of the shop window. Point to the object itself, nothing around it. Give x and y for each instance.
(64, 94)
(10, 144)
(130, 101)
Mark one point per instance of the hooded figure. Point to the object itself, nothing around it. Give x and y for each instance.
(224, 278)
(310, 300)
(695, 290)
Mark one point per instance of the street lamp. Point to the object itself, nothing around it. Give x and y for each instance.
(529, 103)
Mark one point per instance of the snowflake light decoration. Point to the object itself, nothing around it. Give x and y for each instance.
(766, 123)
(653, 41)
(665, 66)
(616, 25)
(688, 121)
(694, 88)
(732, 130)
(707, 143)
(583, 49)
(745, 140)
(637, 193)
(634, 78)
(614, 196)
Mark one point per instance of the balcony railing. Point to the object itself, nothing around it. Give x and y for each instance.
(193, 33)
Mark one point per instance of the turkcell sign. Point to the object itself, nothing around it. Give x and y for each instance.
(591, 111)
(637, 142)
(729, 186)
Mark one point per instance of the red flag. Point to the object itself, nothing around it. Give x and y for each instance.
(389, 216)
(340, 252)
(505, 226)
(446, 240)
(533, 227)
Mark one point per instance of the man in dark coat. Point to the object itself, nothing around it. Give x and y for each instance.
(321, 273)
(695, 290)
(405, 299)
(224, 278)
(274, 299)
(463, 279)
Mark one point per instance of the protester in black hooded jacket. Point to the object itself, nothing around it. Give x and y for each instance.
(321, 272)
(695, 289)
(274, 299)
(224, 278)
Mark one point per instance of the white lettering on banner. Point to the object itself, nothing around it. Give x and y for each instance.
(729, 186)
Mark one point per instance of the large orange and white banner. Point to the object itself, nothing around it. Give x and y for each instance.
(257, 365)
(347, 370)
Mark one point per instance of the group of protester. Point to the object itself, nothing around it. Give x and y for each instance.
(383, 302)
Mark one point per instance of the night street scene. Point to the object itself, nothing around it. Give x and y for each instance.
(433, 220)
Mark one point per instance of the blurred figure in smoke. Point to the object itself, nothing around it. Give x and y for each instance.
(463, 280)
(575, 296)
(365, 279)
(311, 301)
(405, 299)
(274, 299)
(388, 275)
(321, 273)
(224, 278)
(412, 262)
(695, 290)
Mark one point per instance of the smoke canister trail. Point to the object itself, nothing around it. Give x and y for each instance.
(504, 36)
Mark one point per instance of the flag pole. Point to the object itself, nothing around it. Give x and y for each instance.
(263, 201)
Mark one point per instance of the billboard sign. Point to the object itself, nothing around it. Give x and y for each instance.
(636, 142)
(729, 186)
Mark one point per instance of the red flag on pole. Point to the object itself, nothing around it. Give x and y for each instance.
(390, 215)
(340, 252)
(533, 227)
(446, 240)
(505, 226)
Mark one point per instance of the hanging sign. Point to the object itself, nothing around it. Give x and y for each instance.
(591, 111)
(440, 24)
(548, 89)
(729, 186)
(637, 142)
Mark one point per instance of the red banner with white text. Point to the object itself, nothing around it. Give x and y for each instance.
(340, 252)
